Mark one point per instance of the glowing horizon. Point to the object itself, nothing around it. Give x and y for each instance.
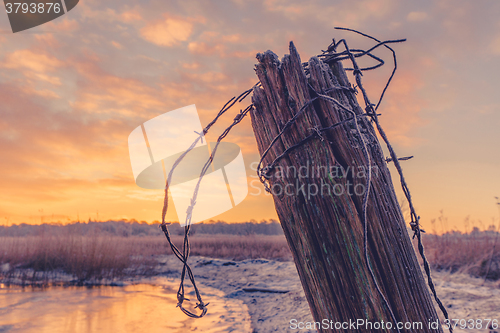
(72, 90)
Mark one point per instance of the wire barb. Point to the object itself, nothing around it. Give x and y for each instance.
(389, 159)
(329, 56)
(414, 218)
(184, 254)
(263, 172)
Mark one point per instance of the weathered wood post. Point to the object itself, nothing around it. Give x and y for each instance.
(318, 189)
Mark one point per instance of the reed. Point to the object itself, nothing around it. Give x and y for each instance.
(97, 256)
(465, 253)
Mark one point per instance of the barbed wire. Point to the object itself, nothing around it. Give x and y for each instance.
(415, 219)
(328, 56)
(184, 255)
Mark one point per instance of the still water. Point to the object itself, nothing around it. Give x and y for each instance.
(135, 308)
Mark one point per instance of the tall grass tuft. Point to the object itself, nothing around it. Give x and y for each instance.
(465, 253)
(81, 256)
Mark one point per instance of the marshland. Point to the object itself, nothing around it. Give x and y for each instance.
(113, 250)
(229, 260)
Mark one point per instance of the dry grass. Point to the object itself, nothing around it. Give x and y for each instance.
(97, 257)
(241, 247)
(465, 253)
(233, 247)
(83, 257)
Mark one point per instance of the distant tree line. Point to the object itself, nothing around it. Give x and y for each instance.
(126, 228)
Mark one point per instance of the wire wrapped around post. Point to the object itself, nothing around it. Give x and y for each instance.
(263, 172)
(331, 55)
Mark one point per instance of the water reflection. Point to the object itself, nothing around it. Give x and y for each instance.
(134, 308)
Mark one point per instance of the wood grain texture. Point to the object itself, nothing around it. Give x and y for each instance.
(325, 230)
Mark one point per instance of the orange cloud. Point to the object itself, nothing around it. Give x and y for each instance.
(34, 61)
(64, 25)
(202, 48)
(117, 45)
(207, 77)
(167, 32)
(131, 15)
(494, 46)
(214, 43)
(36, 67)
(101, 92)
(400, 107)
(193, 65)
(47, 39)
(91, 12)
(347, 13)
(417, 16)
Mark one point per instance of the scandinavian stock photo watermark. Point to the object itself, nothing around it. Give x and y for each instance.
(359, 324)
(154, 153)
(315, 180)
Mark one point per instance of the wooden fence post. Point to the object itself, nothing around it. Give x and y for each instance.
(318, 193)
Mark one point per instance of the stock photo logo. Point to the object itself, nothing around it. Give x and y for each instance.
(27, 14)
(156, 145)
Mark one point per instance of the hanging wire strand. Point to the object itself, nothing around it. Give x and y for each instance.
(415, 219)
(494, 245)
(184, 255)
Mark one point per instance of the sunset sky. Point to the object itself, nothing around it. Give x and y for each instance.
(72, 90)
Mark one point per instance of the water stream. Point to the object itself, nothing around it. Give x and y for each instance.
(134, 308)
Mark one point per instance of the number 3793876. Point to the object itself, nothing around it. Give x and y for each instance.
(471, 323)
(33, 8)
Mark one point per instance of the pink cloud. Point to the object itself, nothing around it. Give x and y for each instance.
(131, 15)
(30, 60)
(345, 13)
(401, 108)
(117, 45)
(101, 92)
(64, 25)
(202, 48)
(494, 46)
(224, 46)
(167, 32)
(417, 16)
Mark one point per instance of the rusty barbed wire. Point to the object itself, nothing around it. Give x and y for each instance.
(415, 219)
(329, 56)
(184, 255)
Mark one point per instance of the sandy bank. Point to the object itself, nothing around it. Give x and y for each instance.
(273, 294)
(261, 296)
